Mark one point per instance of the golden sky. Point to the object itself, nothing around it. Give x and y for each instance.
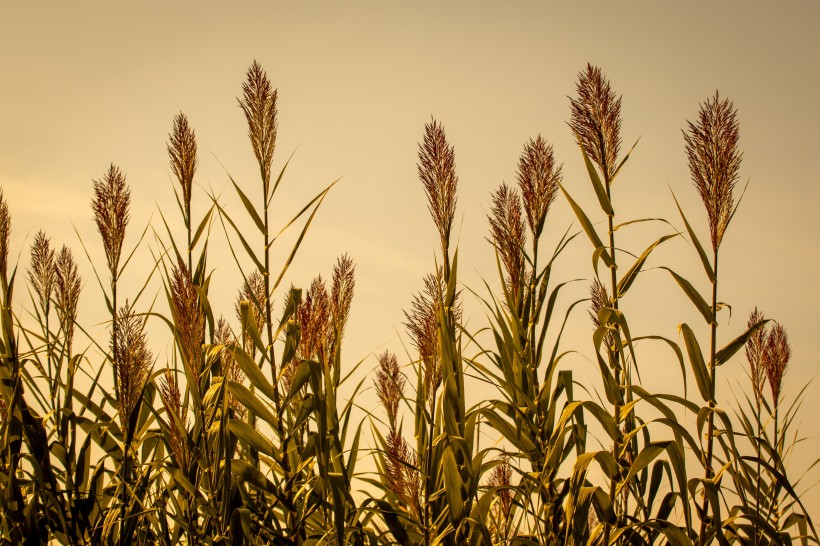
(87, 84)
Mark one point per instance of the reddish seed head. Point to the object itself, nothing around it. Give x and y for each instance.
(132, 361)
(538, 178)
(776, 358)
(258, 102)
(41, 273)
(252, 291)
(111, 204)
(188, 317)
(172, 400)
(182, 153)
(437, 171)
(67, 294)
(755, 349)
(596, 119)
(714, 161)
(390, 386)
(5, 234)
(508, 235)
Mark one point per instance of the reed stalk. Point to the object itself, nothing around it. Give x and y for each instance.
(111, 204)
(714, 163)
(596, 123)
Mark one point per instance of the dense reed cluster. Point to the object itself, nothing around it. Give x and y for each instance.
(239, 434)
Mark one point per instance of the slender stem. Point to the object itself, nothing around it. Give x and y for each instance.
(757, 452)
(778, 448)
(190, 250)
(52, 385)
(428, 456)
(114, 332)
(616, 361)
(712, 403)
(533, 319)
(123, 492)
(271, 356)
(117, 392)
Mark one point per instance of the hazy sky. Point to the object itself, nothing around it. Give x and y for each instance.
(87, 84)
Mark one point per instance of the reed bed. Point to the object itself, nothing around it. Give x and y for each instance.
(241, 437)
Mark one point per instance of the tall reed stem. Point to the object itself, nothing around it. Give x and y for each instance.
(615, 356)
(712, 403)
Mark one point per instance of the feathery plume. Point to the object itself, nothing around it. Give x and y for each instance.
(390, 386)
(595, 118)
(111, 203)
(776, 358)
(252, 291)
(755, 353)
(182, 153)
(259, 105)
(314, 315)
(714, 161)
(67, 294)
(41, 271)
(538, 178)
(599, 298)
(509, 237)
(188, 317)
(5, 234)
(341, 298)
(422, 325)
(341, 294)
(437, 171)
(501, 477)
(132, 362)
(172, 400)
(403, 476)
(230, 367)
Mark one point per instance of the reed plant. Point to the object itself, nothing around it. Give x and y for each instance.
(240, 434)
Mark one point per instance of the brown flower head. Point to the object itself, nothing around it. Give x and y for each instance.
(714, 161)
(390, 386)
(422, 325)
(755, 352)
(67, 294)
(172, 400)
(437, 171)
(314, 315)
(341, 298)
(132, 362)
(341, 294)
(41, 271)
(403, 476)
(229, 366)
(189, 319)
(501, 477)
(111, 203)
(509, 237)
(182, 153)
(599, 299)
(776, 358)
(259, 105)
(253, 291)
(5, 234)
(538, 178)
(596, 120)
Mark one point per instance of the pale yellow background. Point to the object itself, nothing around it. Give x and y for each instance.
(84, 84)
